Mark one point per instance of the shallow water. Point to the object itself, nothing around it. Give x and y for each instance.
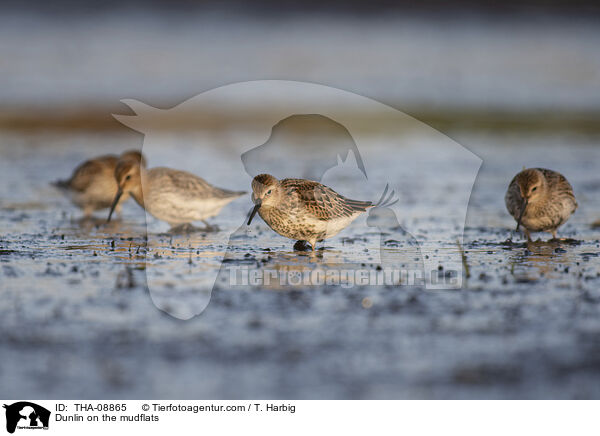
(79, 320)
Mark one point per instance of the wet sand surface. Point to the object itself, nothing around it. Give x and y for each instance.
(78, 320)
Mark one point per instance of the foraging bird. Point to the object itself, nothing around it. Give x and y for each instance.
(174, 196)
(303, 210)
(92, 186)
(540, 200)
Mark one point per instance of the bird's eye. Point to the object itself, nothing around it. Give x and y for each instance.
(269, 192)
(128, 177)
(534, 189)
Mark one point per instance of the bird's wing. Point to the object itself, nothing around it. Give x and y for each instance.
(513, 199)
(560, 185)
(188, 185)
(323, 202)
(554, 179)
(84, 174)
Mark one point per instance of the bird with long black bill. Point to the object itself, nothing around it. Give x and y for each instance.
(304, 210)
(174, 196)
(92, 186)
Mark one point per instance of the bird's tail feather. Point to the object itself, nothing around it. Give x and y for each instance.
(387, 201)
(358, 205)
(228, 193)
(60, 184)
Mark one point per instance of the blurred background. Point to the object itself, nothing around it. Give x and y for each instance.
(450, 64)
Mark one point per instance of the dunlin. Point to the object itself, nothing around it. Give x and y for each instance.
(92, 186)
(174, 196)
(303, 210)
(540, 200)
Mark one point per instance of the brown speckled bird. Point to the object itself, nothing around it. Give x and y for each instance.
(92, 186)
(540, 200)
(303, 210)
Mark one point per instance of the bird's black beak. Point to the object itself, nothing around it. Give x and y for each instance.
(114, 204)
(523, 207)
(257, 205)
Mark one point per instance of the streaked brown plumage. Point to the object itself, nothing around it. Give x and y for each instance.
(92, 186)
(540, 200)
(303, 210)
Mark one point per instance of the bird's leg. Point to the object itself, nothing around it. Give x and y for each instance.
(87, 212)
(182, 229)
(554, 234)
(176, 229)
(527, 234)
(210, 228)
(302, 246)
